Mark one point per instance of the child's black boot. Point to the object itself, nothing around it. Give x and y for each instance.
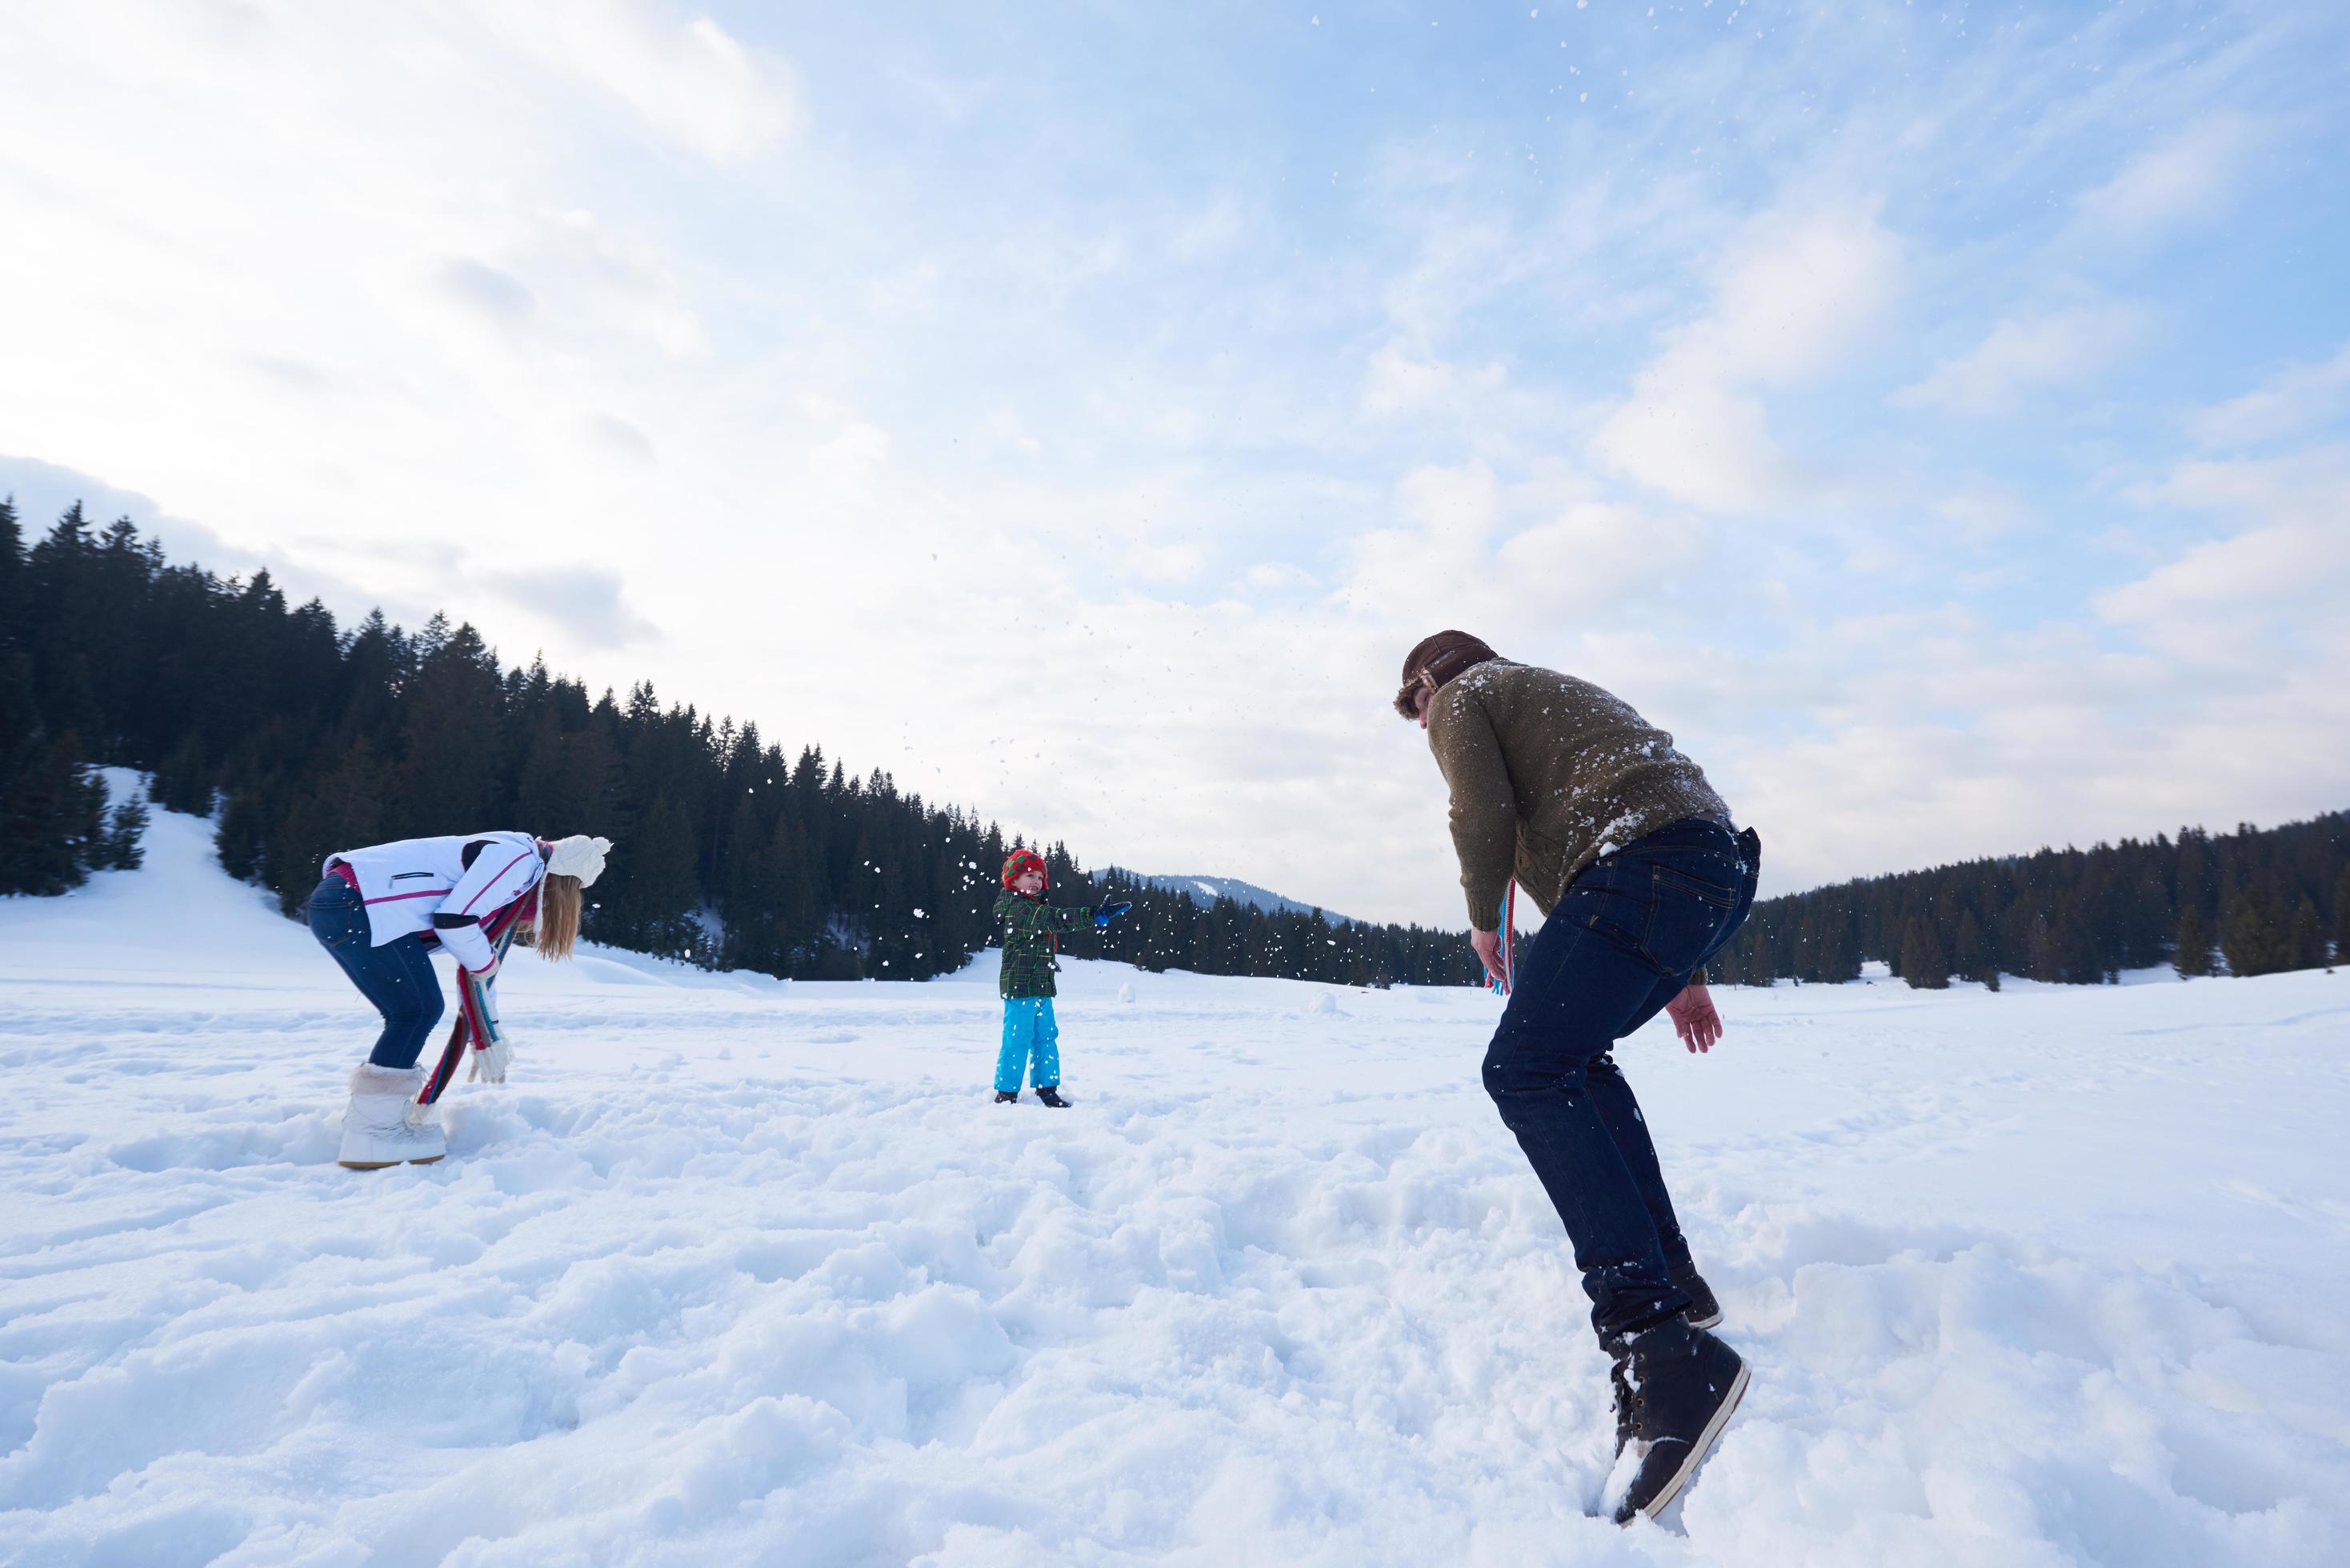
(1051, 1095)
(1008, 1097)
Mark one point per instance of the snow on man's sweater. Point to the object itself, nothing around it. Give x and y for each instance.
(447, 885)
(1548, 774)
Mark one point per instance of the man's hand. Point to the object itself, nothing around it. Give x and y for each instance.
(1694, 1017)
(1489, 951)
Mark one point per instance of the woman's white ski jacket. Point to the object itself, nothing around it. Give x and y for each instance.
(446, 886)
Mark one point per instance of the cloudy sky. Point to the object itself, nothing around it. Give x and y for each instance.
(1937, 416)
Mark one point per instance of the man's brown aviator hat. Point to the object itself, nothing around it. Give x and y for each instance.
(1433, 660)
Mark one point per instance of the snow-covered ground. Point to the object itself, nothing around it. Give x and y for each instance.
(741, 1271)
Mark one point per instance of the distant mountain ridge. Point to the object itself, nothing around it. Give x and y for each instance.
(1208, 889)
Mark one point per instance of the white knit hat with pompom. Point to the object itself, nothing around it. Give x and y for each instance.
(577, 855)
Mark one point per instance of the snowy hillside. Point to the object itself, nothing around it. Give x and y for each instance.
(744, 1272)
(1206, 890)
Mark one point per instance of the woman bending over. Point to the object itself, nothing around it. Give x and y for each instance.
(381, 912)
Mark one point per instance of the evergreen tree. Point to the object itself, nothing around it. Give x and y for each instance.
(1970, 952)
(52, 816)
(185, 781)
(338, 807)
(124, 850)
(2250, 938)
(242, 832)
(2342, 918)
(71, 702)
(450, 743)
(651, 899)
(20, 716)
(1923, 966)
(2191, 956)
(566, 777)
(12, 576)
(2304, 944)
(58, 601)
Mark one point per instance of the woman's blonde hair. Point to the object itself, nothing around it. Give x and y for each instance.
(556, 927)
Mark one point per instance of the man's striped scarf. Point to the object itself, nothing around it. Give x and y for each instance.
(477, 1022)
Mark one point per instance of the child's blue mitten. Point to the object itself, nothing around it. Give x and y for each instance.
(1108, 912)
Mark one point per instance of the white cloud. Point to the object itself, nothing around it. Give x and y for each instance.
(1792, 295)
(2268, 591)
(1462, 259)
(477, 286)
(1212, 230)
(850, 462)
(1982, 510)
(2188, 176)
(1003, 431)
(1277, 576)
(589, 605)
(688, 78)
(1440, 553)
(1398, 381)
(2024, 353)
(1710, 446)
(1177, 563)
(2292, 402)
(1940, 739)
(611, 433)
(1512, 562)
(622, 281)
(1590, 549)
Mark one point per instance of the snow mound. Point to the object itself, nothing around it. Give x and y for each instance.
(738, 1271)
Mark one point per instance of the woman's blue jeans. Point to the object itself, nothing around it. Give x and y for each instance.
(397, 977)
(1622, 944)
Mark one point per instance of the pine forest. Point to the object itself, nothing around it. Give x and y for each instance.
(300, 737)
(305, 737)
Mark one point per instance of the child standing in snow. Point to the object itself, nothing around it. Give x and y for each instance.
(1032, 931)
(380, 911)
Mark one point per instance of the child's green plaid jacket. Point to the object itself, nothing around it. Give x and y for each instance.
(1029, 925)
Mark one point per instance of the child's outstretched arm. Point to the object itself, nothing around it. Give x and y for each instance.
(1061, 919)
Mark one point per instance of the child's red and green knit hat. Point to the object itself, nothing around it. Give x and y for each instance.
(1019, 863)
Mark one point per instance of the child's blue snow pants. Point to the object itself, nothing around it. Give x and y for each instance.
(1029, 1032)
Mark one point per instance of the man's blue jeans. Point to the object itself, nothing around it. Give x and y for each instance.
(1620, 944)
(397, 977)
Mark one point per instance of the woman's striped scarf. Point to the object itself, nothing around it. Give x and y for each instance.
(477, 1022)
(1502, 984)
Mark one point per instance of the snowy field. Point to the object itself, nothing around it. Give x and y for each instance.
(743, 1272)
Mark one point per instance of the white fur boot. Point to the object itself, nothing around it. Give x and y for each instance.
(377, 1129)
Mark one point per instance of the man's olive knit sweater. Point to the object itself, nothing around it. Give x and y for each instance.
(1548, 774)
